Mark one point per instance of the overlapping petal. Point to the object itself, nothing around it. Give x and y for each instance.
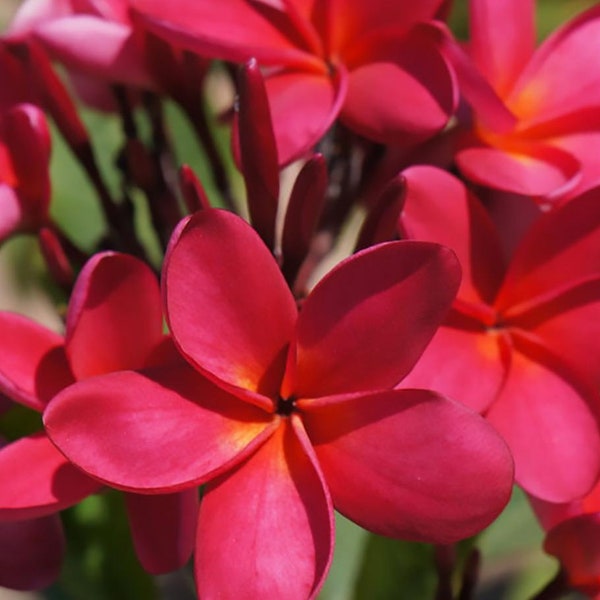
(163, 528)
(266, 528)
(33, 365)
(233, 30)
(398, 86)
(229, 308)
(303, 106)
(502, 39)
(561, 461)
(114, 56)
(115, 316)
(571, 53)
(427, 468)
(465, 227)
(165, 433)
(31, 552)
(368, 320)
(532, 170)
(458, 349)
(562, 249)
(58, 484)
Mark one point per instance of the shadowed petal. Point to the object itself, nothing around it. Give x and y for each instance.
(367, 321)
(31, 553)
(453, 355)
(38, 480)
(229, 308)
(266, 529)
(163, 528)
(547, 419)
(33, 365)
(561, 249)
(398, 86)
(161, 434)
(535, 170)
(232, 30)
(115, 317)
(303, 106)
(439, 208)
(502, 39)
(410, 463)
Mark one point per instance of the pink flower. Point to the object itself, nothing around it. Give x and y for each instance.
(114, 322)
(24, 177)
(535, 129)
(367, 62)
(284, 416)
(528, 330)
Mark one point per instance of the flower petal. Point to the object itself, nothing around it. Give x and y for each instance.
(439, 208)
(38, 480)
(229, 308)
(561, 249)
(398, 86)
(535, 170)
(266, 529)
(234, 30)
(31, 553)
(458, 349)
(114, 319)
(114, 56)
(428, 468)
(163, 528)
(572, 53)
(303, 106)
(159, 434)
(33, 365)
(502, 39)
(561, 461)
(341, 344)
(575, 543)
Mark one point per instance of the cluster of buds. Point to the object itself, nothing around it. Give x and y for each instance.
(398, 319)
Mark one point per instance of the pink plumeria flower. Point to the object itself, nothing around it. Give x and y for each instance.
(367, 62)
(535, 130)
(528, 329)
(286, 415)
(114, 322)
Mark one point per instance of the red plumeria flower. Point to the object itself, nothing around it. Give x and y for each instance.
(24, 176)
(535, 130)
(285, 416)
(573, 537)
(367, 62)
(529, 329)
(114, 322)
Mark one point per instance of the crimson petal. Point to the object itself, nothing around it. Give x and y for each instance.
(159, 434)
(31, 553)
(114, 320)
(33, 364)
(38, 480)
(266, 529)
(410, 463)
(229, 308)
(341, 344)
(163, 528)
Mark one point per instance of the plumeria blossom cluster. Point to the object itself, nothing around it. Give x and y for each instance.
(382, 299)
